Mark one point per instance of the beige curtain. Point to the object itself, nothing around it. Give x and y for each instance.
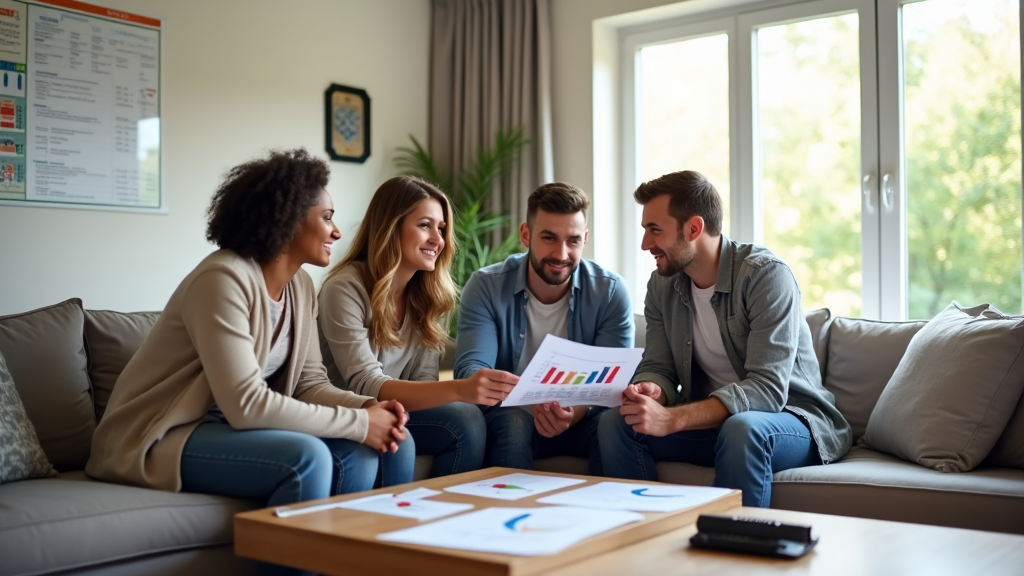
(490, 70)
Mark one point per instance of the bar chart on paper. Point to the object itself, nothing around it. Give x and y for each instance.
(575, 374)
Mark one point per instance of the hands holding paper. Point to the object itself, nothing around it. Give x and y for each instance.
(551, 419)
(486, 386)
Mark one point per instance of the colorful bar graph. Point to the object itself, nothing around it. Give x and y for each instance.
(547, 377)
(603, 376)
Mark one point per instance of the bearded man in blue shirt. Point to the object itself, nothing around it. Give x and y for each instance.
(729, 377)
(508, 308)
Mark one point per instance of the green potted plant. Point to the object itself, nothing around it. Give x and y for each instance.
(475, 225)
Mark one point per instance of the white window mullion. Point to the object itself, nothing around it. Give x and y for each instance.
(891, 183)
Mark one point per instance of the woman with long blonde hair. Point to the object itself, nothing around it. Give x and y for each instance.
(383, 324)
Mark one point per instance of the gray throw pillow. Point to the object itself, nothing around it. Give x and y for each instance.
(111, 339)
(1009, 450)
(954, 390)
(21, 456)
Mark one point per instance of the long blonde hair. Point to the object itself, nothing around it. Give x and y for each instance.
(377, 246)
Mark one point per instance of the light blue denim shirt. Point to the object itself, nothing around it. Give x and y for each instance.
(492, 314)
(766, 337)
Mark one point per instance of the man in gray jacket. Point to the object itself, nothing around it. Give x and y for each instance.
(729, 376)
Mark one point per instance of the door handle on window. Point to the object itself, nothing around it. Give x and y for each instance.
(888, 192)
(869, 207)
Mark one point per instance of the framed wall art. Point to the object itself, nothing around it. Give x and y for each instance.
(347, 123)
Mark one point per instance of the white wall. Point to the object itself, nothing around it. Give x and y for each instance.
(239, 77)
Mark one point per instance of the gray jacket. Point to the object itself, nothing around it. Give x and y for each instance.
(757, 302)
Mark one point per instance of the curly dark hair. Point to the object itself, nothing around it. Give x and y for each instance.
(258, 208)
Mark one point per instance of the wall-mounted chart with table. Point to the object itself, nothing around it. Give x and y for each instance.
(79, 106)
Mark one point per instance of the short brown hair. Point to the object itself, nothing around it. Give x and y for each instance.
(692, 195)
(556, 198)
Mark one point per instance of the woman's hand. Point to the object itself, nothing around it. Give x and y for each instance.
(487, 387)
(387, 426)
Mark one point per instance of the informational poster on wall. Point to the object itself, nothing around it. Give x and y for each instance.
(79, 106)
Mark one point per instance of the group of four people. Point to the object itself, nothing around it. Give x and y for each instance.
(253, 385)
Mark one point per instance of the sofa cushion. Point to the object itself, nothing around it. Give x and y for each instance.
(21, 456)
(73, 521)
(1009, 449)
(45, 352)
(870, 484)
(111, 339)
(954, 390)
(862, 356)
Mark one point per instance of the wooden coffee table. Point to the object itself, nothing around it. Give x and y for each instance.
(344, 542)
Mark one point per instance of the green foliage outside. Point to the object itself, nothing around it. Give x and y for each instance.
(963, 156)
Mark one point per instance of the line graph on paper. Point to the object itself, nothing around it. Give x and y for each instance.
(575, 374)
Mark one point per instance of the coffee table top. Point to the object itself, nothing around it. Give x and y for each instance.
(343, 541)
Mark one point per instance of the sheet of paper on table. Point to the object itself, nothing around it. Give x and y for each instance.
(637, 497)
(517, 531)
(396, 505)
(575, 374)
(513, 486)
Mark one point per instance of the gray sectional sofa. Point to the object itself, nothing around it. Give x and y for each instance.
(65, 360)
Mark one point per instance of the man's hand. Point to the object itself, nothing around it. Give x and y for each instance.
(646, 388)
(551, 419)
(486, 386)
(647, 416)
(387, 426)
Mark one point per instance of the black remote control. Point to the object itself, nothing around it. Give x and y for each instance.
(753, 536)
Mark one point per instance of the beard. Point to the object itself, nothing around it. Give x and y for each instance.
(551, 278)
(676, 258)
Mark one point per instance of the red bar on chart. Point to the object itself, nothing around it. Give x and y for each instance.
(548, 375)
(612, 375)
(557, 378)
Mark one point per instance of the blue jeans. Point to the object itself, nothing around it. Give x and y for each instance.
(745, 451)
(513, 441)
(283, 467)
(454, 434)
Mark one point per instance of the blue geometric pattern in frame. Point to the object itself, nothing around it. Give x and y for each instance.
(346, 122)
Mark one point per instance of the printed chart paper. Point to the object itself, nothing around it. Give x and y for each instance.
(575, 374)
(513, 486)
(395, 505)
(518, 531)
(637, 497)
(414, 494)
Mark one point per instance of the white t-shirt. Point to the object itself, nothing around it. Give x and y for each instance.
(541, 320)
(708, 348)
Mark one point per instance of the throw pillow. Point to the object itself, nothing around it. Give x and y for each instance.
(45, 351)
(954, 390)
(1009, 450)
(112, 338)
(21, 456)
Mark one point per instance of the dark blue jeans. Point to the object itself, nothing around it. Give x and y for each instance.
(745, 451)
(513, 441)
(283, 467)
(454, 434)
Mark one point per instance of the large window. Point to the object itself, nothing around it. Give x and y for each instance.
(875, 145)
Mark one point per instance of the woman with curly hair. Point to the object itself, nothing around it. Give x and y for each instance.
(228, 394)
(383, 324)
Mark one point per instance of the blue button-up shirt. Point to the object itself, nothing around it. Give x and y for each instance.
(492, 315)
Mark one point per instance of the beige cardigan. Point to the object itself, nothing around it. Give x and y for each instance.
(210, 344)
